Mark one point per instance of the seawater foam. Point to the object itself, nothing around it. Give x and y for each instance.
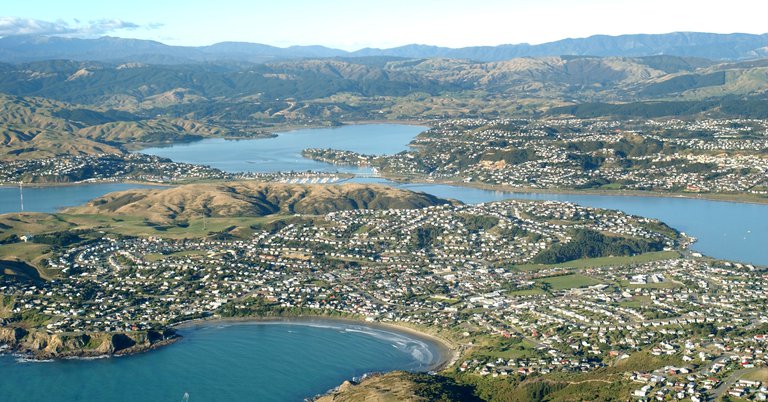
(26, 359)
(419, 350)
(90, 357)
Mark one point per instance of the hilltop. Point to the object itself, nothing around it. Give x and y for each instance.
(694, 44)
(34, 127)
(154, 103)
(252, 199)
(64, 96)
(401, 386)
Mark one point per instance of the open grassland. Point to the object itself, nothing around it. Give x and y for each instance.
(25, 253)
(193, 228)
(644, 361)
(512, 348)
(198, 227)
(758, 374)
(190, 254)
(603, 261)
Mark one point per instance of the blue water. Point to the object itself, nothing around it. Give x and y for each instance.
(224, 362)
(53, 198)
(283, 153)
(284, 362)
(727, 230)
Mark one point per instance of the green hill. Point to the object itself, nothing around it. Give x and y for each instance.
(252, 199)
(33, 127)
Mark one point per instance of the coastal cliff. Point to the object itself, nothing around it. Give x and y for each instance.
(401, 386)
(42, 345)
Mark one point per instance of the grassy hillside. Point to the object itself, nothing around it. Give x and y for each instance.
(32, 127)
(247, 96)
(402, 386)
(250, 199)
(191, 211)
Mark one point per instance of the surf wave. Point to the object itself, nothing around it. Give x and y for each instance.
(27, 359)
(419, 350)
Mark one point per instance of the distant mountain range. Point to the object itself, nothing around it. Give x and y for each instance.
(110, 49)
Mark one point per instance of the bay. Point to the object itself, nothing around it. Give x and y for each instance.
(283, 152)
(259, 361)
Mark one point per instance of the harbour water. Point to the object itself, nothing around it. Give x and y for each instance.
(290, 361)
(283, 153)
(54, 198)
(263, 361)
(727, 230)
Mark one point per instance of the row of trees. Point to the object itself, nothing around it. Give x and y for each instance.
(588, 243)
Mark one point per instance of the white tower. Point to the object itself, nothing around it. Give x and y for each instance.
(21, 195)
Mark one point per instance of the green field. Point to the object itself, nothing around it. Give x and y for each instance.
(137, 226)
(26, 253)
(189, 253)
(603, 261)
(636, 302)
(757, 374)
(128, 225)
(645, 361)
(660, 285)
(506, 349)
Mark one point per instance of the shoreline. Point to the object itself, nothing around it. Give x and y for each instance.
(276, 131)
(86, 183)
(447, 351)
(407, 122)
(33, 352)
(720, 197)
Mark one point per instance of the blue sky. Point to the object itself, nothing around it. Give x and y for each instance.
(354, 24)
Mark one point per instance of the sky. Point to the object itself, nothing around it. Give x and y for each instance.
(356, 24)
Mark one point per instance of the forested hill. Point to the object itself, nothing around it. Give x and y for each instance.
(686, 44)
(389, 88)
(59, 107)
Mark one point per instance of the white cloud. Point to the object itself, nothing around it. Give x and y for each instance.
(10, 26)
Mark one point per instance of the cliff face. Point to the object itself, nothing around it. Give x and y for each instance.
(394, 386)
(43, 345)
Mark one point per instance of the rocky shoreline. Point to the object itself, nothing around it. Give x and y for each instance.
(40, 345)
